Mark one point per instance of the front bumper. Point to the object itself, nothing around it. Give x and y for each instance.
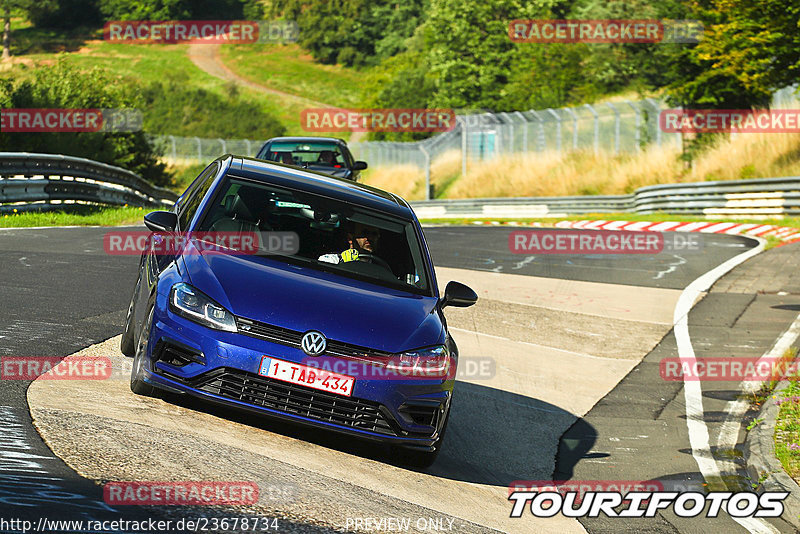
(222, 367)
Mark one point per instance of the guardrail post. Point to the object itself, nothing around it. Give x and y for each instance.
(637, 135)
(616, 127)
(247, 144)
(596, 128)
(558, 127)
(224, 146)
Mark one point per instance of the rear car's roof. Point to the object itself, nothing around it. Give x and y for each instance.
(308, 140)
(321, 184)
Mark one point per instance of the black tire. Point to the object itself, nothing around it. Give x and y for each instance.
(138, 385)
(127, 344)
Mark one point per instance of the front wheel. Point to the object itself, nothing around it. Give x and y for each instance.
(138, 385)
(126, 344)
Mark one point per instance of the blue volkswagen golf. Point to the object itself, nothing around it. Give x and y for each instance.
(323, 311)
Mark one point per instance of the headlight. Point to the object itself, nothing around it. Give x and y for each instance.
(433, 362)
(196, 306)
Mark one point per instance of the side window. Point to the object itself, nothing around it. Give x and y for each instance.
(181, 202)
(189, 205)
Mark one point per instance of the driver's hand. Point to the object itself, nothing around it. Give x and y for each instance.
(350, 254)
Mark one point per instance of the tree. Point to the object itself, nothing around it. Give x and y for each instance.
(469, 52)
(352, 32)
(750, 49)
(8, 6)
(64, 86)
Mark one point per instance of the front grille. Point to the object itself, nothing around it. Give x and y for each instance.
(293, 399)
(291, 338)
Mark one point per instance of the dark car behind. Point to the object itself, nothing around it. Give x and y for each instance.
(327, 155)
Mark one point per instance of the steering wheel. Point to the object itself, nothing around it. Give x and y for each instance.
(375, 259)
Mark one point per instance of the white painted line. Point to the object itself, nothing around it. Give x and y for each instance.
(664, 226)
(692, 227)
(739, 228)
(637, 226)
(735, 409)
(760, 229)
(719, 227)
(594, 225)
(693, 393)
(615, 225)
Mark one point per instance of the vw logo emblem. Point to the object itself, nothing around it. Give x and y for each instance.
(313, 343)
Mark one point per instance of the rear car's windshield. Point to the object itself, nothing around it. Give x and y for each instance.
(307, 154)
(333, 235)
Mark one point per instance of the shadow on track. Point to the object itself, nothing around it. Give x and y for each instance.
(494, 437)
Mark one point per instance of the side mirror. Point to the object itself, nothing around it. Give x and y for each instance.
(161, 221)
(359, 165)
(458, 295)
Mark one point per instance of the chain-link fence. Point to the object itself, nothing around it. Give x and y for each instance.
(611, 127)
(192, 150)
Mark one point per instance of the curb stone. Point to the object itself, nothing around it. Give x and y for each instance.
(759, 454)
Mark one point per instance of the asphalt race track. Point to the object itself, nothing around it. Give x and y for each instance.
(575, 392)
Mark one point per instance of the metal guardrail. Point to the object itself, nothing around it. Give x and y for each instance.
(768, 197)
(47, 181)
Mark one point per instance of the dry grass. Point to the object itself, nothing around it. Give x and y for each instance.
(586, 173)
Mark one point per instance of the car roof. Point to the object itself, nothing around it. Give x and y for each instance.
(308, 140)
(321, 184)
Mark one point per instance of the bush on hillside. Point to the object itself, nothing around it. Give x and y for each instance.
(64, 86)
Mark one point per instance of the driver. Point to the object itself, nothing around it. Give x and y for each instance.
(327, 157)
(362, 240)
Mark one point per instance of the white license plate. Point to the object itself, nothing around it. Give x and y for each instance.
(303, 375)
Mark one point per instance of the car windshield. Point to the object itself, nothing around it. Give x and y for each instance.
(333, 235)
(307, 154)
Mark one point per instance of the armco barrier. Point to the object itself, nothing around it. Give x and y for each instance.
(768, 197)
(47, 181)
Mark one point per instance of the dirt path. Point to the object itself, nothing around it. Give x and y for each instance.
(207, 58)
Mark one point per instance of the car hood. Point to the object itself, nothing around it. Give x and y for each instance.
(301, 299)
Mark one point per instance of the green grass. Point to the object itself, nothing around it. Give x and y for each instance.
(787, 429)
(77, 216)
(290, 69)
(140, 63)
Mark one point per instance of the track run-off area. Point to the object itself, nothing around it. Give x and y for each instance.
(574, 391)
